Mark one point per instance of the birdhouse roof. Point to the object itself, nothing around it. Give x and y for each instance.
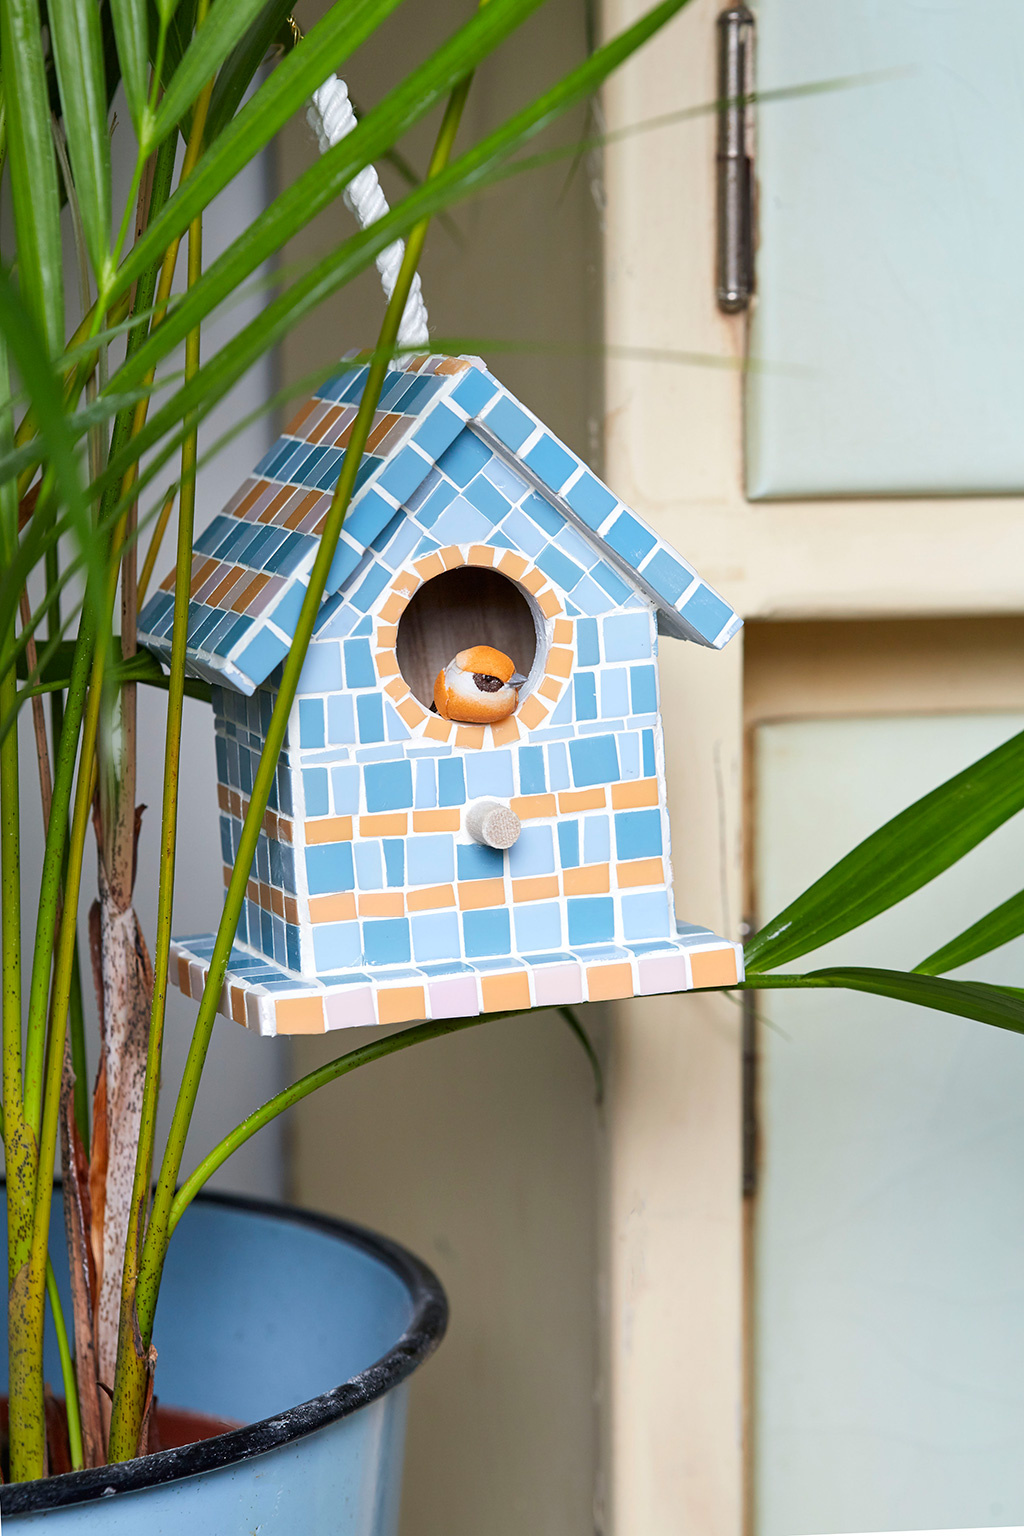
(251, 565)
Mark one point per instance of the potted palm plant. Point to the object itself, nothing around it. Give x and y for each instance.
(262, 1308)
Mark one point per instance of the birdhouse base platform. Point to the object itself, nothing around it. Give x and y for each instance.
(273, 1001)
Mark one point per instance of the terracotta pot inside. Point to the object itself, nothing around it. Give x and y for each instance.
(170, 1427)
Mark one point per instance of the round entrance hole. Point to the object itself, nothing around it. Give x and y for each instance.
(470, 605)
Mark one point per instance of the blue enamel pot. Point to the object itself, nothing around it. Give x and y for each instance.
(264, 1310)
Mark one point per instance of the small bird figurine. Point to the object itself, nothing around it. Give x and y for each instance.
(480, 687)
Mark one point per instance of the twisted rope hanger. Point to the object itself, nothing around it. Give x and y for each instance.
(331, 117)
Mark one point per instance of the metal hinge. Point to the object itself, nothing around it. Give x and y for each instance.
(735, 264)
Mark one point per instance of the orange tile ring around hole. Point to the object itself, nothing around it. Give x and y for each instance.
(536, 707)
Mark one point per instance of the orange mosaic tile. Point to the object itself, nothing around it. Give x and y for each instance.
(250, 498)
(504, 994)
(474, 894)
(607, 981)
(405, 581)
(411, 712)
(548, 604)
(183, 979)
(470, 736)
(562, 632)
(640, 872)
(381, 427)
(387, 824)
(200, 574)
(587, 880)
(453, 365)
(528, 807)
(382, 904)
(332, 909)
(559, 662)
(437, 729)
(276, 900)
(451, 556)
(391, 610)
(324, 425)
(505, 731)
(551, 687)
(481, 554)
(430, 898)
(534, 888)
(511, 565)
(430, 566)
(532, 712)
(400, 1005)
(249, 593)
(291, 909)
(713, 968)
(387, 663)
(305, 410)
(581, 799)
(238, 1005)
(633, 793)
(436, 821)
(387, 636)
(300, 1016)
(329, 829)
(222, 796)
(396, 687)
(301, 509)
(221, 590)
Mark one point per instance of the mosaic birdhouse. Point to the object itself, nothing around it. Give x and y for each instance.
(449, 833)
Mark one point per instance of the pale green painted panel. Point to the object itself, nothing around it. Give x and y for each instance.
(889, 1270)
(890, 307)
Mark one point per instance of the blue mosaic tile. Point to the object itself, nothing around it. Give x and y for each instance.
(474, 390)
(543, 513)
(590, 500)
(489, 774)
(404, 473)
(629, 755)
(487, 932)
(532, 779)
(431, 859)
(402, 544)
(396, 727)
(359, 672)
(585, 690)
(388, 786)
(637, 834)
(650, 762)
(563, 571)
(487, 499)
(371, 586)
(538, 926)
(562, 712)
(461, 523)
(386, 941)
(594, 761)
(706, 612)
(311, 722)
(627, 637)
(464, 459)
(438, 431)
(336, 946)
(435, 936)
(316, 792)
(262, 653)
(435, 504)
(509, 424)
(643, 687)
(476, 862)
(569, 844)
(612, 583)
(329, 869)
(646, 915)
(501, 474)
(667, 576)
(590, 597)
(451, 782)
(370, 713)
(597, 845)
(533, 853)
(591, 919)
(321, 670)
(587, 650)
(426, 785)
(614, 693)
(369, 862)
(558, 766)
(346, 563)
(521, 534)
(341, 725)
(394, 861)
(550, 461)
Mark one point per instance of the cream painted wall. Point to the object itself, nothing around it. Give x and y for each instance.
(481, 1151)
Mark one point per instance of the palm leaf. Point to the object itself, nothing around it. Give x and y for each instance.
(77, 43)
(131, 33)
(997, 927)
(241, 64)
(225, 26)
(899, 858)
(33, 170)
(1002, 1007)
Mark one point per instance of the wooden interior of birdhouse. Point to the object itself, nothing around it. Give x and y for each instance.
(470, 605)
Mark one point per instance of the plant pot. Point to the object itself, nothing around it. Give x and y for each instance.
(262, 1307)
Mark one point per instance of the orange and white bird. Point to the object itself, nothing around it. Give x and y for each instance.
(480, 687)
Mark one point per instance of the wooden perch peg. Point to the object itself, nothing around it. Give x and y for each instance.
(494, 824)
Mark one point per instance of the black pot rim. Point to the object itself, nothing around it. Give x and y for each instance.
(422, 1336)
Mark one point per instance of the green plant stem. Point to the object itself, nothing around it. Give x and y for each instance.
(130, 1383)
(169, 815)
(67, 1371)
(375, 1050)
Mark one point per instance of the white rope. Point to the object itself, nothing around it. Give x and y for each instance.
(331, 117)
